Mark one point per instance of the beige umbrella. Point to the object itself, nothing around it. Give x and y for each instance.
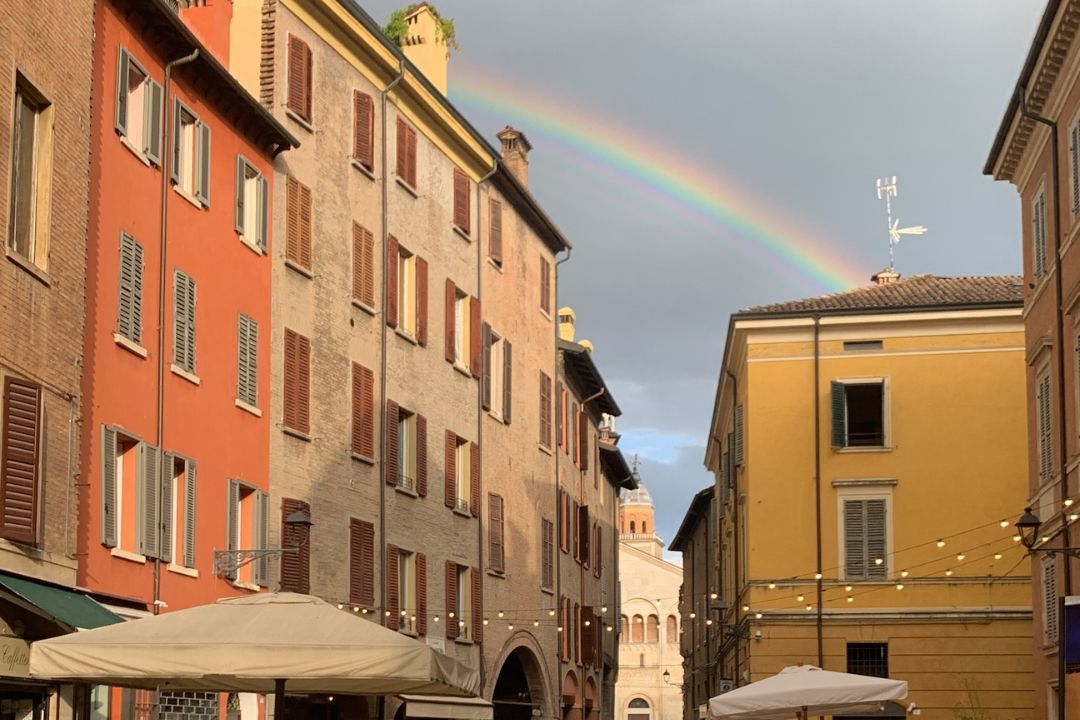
(256, 644)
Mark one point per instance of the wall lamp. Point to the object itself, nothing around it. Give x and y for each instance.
(1027, 527)
(227, 562)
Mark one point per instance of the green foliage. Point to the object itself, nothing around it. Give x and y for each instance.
(396, 28)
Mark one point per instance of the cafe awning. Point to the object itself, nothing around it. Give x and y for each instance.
(68, 607)
(452, 708)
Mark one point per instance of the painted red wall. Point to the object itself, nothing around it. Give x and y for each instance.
(119, 388)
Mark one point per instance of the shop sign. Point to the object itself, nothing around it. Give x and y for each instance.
(14, 657)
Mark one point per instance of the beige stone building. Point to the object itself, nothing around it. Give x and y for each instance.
(650, 665)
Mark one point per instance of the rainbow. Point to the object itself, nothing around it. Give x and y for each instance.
(646, 167)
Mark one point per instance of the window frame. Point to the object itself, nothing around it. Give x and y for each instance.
(407, 590)
(463, 610)
(407, 447)
(252, 206)
(863, 494)
(462, 475)
(39, 189)
(886, 408)
(407, 293)
(198, 193)
(184, 501)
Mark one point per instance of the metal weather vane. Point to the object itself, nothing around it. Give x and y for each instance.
(886, 190)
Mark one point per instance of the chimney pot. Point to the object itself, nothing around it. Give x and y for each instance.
(885, 277)
(515, 153)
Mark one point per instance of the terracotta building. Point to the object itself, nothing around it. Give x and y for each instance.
(1036, 149)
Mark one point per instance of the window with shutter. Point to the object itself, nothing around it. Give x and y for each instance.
(564, 521)
(298, 225)
(361, 563)
(30, 173)
(1044, 436)
(139, 108)
(583, 440)
(564, 628)
(184, 322)
(1038, 234)
(545, 410)
(404, 464)
(260, 569)
(452, 604)
(583, 529)
(297, 382)
(560, 415)
(190, 168)
(463, 607)
(296, 555)
(421, 301)
(462, 206)
(409, 285)
(299, 79)
(497, 373)
(495, 243)
(364, 130)
(858, 413)
(251, 208)
(406, 154)
(129, 305)
(363, 266)
(547, 537)
(865, 539)
(406, 600)
(20, 460)
(545, 285)
(496, 548)
(178, 511)
(247, 361)
(363, 412)
(459, 462)
(1050, 602)
(474, 480)
(148, 518)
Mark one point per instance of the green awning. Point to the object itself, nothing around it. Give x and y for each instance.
(69, 607)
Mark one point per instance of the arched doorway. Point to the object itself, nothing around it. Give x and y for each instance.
(519, 688)
(571, 698)
(639, 710)
(590, 708)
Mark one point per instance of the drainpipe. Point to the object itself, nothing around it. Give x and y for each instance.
(817, 486)
(166, 156)
(735, 525)
(1059, 329)
(558, 508)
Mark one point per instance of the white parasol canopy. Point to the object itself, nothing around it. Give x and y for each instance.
(803, 690)
(252, 644)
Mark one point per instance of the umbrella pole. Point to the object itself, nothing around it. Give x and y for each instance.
(279, 699)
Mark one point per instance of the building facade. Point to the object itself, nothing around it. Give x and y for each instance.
(650, 664)
(1036, 150)
(846, 432)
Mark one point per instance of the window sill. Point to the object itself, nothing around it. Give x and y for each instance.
(364, 170)
(495, 415)
(295, 433)
(462, 233)
(246, 585)
(130, 345)
(28, 265)
(463, 370)
(406, 335)
(128, 555)
(463, 641)
(188, 196)
(462, 513)
(548, 591)
(362, 458)
(181, 570)
(406, 186)
(190, 377)
(546, 314)
(252, 246)
(497, 573)
(139, 154)
(497, 265)
(363, 306)
(868, 449)
(247, 408)
(406, 491)
(293, 265)
(295, 117)
(544, 449)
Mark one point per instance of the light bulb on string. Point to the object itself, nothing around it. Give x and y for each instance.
(603, 609)
(558, 629)
(450, 614)
(435, 619)
(1016, 538)
(536, 623)
(758, 616)
(500, 613)
(997, 556)
(510, 626)
(772, 586)
(1068, 502)
(948, 573)
(960, 556)
(340, 606)
(847, 588)
(551, 613)
(899, 586)
(850, 599)
(817, 576)
(1074, 517)
(693, 615)
(712, 596)
(941, 543)
(485, 621)
(387, 613)
(879, 561)
(809, 607)
(746, 608)
(609, 628)
(1004, 523)
(709, 621)
(903, 573)
(588, 623)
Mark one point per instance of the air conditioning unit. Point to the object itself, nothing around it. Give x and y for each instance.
(726, 686)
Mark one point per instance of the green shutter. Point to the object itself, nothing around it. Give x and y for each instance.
(184, 321)
(120, 120)
(876, 540)
(232, 526)
(855, 539)
(507, 376)
(129, 294)
(839, 414)
(189, 513)
(202, 188)
(148, 522)
(247, 365)
(241, 178)
(108, 487)
(262, 217)
(152, 109)
(174, 170)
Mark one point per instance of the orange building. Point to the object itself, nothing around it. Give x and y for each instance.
(175, 425)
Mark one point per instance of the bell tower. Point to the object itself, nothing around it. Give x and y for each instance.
(636, 523)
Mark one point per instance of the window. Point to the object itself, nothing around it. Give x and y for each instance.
(297, 224)
(247, 361)
(858, 413)
(462, 468)
(545, 285)
(652, 629)
(637, 629)
(1044, 430)
(545, 410)
(868, 659)
(408, 590)
(406, 449)
(184, 322)
(671, 630)
(624, 629)
(31, 141)
(364, 130)
(363, 266)
(407, 306)
(633, 528)
(251, 204)
(462, 207)
(865, 539)
(363, 412)
(138, 108)
(20, 460)
(129, 301)
(497, 372)
(463, 608)
(581, 538)
(299, 87)
(361, 563)
(1050, 602)
(458, 327)
(496, 538)
(247, 523)
(639, 708)
(296, 558)
(191, 154)
(495, 244)
(178, 545)
(463, 602)
(406, 154)
(1038, 233)
(130, 470)
(860, 345)
(297, 380)
(547, 574)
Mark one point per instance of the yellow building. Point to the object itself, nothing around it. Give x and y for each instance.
(869, 449)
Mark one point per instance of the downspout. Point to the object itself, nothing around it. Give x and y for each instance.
(166, 156)
(735, 525)
(383, 342)
(557, 690)
(817, 486)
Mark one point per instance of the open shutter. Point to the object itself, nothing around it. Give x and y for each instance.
(292, 219)
(564, 521)
(450, 317)
(495, 231)
(363, 128)
(486, 369)
(149, 518)
(738, 435)
(450, 466)
(361, 563)
(392, 281)
(402, 154)
(421, 301)
(583, 443)
(232, 524)
(411, 155)
(261, 237)
(474, 486)
(108, 487)
(152, 115)
(361, 425)
(296, 561)
(305, 227)
(122, 71)
(303, 383)
(477, 605)
(838, 402)
(475, 338)
(367, 412)
(507, 371)
(393, 619)
(203, 189)
(564, 628)
(20, 452)
(358, 263)
(496, 560)
(1076, 167)
(545, 410)
(421, 456)
(855, 539)
(168, 483)
(545, 285)
(560, 414)
(876, 540)
(461, 200)
(190, 479)
(392, 463)
(584, 530)
(451, 600)
(421, 594)
(177, 115)
(261, 566)
(241, 184)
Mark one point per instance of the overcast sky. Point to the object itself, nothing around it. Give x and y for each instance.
(765, 124)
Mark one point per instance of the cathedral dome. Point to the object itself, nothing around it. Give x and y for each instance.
(640, 496)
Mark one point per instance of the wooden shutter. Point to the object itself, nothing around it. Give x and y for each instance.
(363, 129)
(240, 186)
(363, 272)
(393, 620)
(190, 480)
(292, 219)
(261, 234)
(477, 604)
(1045, 431)
(392, 463)
(450, 317)
(475, 338)
(297, 381)
(129, 305)
(247, 365)
(545, 410)
(1076, 167)
(564, 623)
(876, 540)
(149, 511)
(411, 155)
(545, 285)
(548, 554)
(202, 178)
(583, 443)
(560, 415)
(232, 523)
(421, 456)
(597, 563)
(154, 110)
(261, 532)
(474, 485)
(495, 247)
(496, 560)
(305, 227)
(421, 301)
(184, 321)
(1050, 602)
(486, 369)
(361, 563)
(587, 642)
(421, 594)
(461, 200)
(21, 460)
(838, 402)
(168, 483)
(576, 639)
(583, 532)
(564, 521)
(178, 114)
(507, 371)
(450, 466)
(122, 72)
(1038, 211)
(295, 566)
(363, 392)
(402, 153)
(451, 600)
(392, 259)
(738, 450)
(299, 85)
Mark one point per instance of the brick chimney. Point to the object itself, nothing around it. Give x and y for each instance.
(423, 46)
(515, 153)
(885, 277)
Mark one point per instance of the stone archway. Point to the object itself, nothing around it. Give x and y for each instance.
(571, 697)
(589, 706)
(519, 687)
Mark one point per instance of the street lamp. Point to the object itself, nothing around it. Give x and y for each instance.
(227, 562)
(1027, 527)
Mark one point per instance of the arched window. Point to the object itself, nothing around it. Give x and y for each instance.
(652, 629)
(624, 629)
(639, 710)
(672, 629)
(644, 531)
(631, 527)
(637, 629)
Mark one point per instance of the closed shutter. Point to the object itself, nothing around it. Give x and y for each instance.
(474, 486)
(421, 456)
(564, 521)
(190, 480)
(122, 72)
(247, 365)
(495, 247)
(583, 530)
(20, 467)
(411, 155)
(299, 92)
(838, 403)
(450, 317)
(149, 511)
(402, 153)
(451, 600)
(393, 469)
(421, 594)
(475, 338)
(598, 553)
(367, 267)
(421, 301)
(296, 560)
(1045, 432)
(545, 285)
(363, 129)
(583, 441)
(1050, 602)
(168, 483)
(292, 219)
(297, 381)
(485, 377)
(232, 524)
(304, 258)
(575, 621)
(184, 321)
(461, 200)
(363, 417)
(129, 306)
(725, 480)
(177, 117)
(1038, 211)
(508, 374)
(240, 187)
(361, 563)
(450, 466)
(290, 380)
(573, 437)
(1076, 168)
(393, 618)
(564, 627)
(548, 554)
(575, 536)
(261, 533)
(854, 539)
(545, 409)
(876, 540)
(738, 435)
(477, 604)
(560, 436)
(202, 186)
(392, 259)
(496, 560)
(154, 110)
(262, 236)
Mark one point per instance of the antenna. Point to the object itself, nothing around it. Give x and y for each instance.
(886, 190)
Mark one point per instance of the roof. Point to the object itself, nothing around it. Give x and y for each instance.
(697, 512)
(919, 292)
(615, 467)
(578, 362)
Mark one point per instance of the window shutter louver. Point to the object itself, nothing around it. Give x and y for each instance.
(391, 590)
(485, 376)
(564, 521)
(361, 563)
(1039, 233)
(411, 156)
(358, 429)
(297, 381)
(451, 600)
(262, 236)
(247, 371)
(495, 231)
(292, 219)
(184, 321)
(560, 414)
(392, 464)
(299, 93)
(363, 128)
(367, 412)
(545, 410)
(548, 554)
(261, 528)
(475, 338)
(232, 524)
(154, 108)
(122, 71)
(392, 258)
(21, 452)
(359, 262)
(241, 183)
(129, 306)
(203, 186)
(402, 153)
(738, 435)
(177, 113)
(583, 443)
(450, 465)
(564, 623)
(576, 639)
(838, 403)
(168, 483)
(583, 529)
(149, 518)
(1045, 438)
(598, 551)
(108, 487)
(421, 456)
(421, 594)
(305, 227)
(1076, 167)
(474, 458)
(477, 605)
(461, 200)
(876, 540)
(1050, 602)
(451, 321)
(508, 374)
(190, 479)
(854, 539)
(495, 533)
(303, 383)
(421, 301)
(295, 564)
(290, 380)
(545, 285)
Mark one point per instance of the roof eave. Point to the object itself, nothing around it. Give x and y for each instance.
(883, 310)
(589, 377)
(694, 514)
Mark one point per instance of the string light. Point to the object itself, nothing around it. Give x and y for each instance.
(809, 607)
(609, 628)
(450, 614)
(387, 613)
(693, 615)
(588, 623)
(941, 543)
(340, 606)
(1068, 502)
(758, 615)
(847, 588)
(997, 556)
(1016, 538)
(712, 596)
(461, 623)
(879, 561)
(510, 626)
(850, 599)
(603, 609)
(772, 586)
(708, 622)
(948, 573)
(800, 598)
(500, 613)
(1004, 523)
(960, 556)
(903, 573)
(1074, 517)
(817, 576)
(558, 629)
(746, 608)
(485, 621)
(899, 586)
(551, 613)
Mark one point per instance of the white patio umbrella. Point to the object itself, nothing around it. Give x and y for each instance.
(804, 690)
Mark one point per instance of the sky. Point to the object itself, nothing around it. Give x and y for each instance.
(708, 155)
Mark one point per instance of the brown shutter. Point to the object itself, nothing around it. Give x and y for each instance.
(421, 456)
(474, 501)
(475, 360)
(357, 410)
(363, 128)
(576, 414)
(495, 231)
(577, 633)
(303, 377)
(496, 557)
(391, 281)
(485, 366)
(297, 379)
(402, 154)
(292, 219)
(461, 200)
(451, 600)
(507, 371)
(477, 605)
(564, 521)
(299, 95)
(363, 411)
(545, 285)
(545, 409)
(583, 442)
(559, 415)
(564, 623)
(392, 469)
(451, 325)
(411, 161)
(367, 288)
(361, 563)
(587, 643)
(295, 565)
(305, 227)
(421, 594)
(450, 467)
(421, 301)
(575, 532)
(393, 621)
(20, 460)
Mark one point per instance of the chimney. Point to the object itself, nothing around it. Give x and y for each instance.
(211, 23)
(515, 153)
(424, 44)
(566, 323)
(885, 277)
